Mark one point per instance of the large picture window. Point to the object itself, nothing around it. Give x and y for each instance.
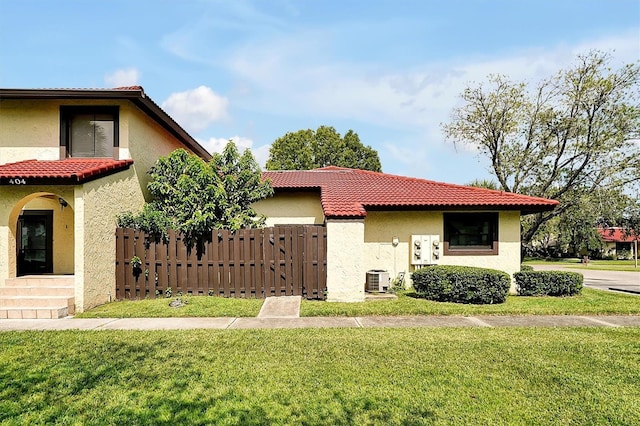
(89, 131)
(470, 234)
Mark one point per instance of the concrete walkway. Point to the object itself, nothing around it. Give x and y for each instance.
(321, 322)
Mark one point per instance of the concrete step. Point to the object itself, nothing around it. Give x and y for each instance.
(37, 301)
(37, 291)
(41, 281)
(33, 313)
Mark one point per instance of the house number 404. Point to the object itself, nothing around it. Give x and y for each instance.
(17, 182)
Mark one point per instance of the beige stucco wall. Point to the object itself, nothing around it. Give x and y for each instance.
(145, 142)
(30, 130)
(12, 200)
(381, 227)
(300, 208)
(63, 244)
(97, 205)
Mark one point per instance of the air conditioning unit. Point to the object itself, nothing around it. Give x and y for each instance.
(377, 281)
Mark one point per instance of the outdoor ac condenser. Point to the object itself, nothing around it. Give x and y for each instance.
(377, 281)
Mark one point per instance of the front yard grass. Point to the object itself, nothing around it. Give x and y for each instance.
(590, 302)
(197, 306)
(415, 376)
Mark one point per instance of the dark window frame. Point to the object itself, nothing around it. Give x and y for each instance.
(67, 113)
(493, 220)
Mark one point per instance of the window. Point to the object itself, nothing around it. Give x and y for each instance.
(89, 131)
(470, 234)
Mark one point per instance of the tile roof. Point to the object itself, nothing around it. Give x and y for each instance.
(350, 192)
(67, 171)
(616, 235)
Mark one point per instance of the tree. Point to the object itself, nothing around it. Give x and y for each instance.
(483, 183)
(309, 149)
(572, 134)
(194, 197)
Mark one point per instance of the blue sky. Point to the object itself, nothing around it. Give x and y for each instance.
(253, 70)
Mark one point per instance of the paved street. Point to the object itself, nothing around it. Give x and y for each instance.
(604, 280)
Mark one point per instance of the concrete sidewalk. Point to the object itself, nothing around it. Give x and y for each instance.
(320, 322)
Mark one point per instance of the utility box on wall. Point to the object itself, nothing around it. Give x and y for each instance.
(425, 249)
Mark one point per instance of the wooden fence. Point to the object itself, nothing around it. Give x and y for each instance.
(277, 261)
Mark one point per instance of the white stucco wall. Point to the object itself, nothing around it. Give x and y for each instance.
(346, 271)
(299, 208)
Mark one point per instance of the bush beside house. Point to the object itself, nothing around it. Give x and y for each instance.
(461, 284)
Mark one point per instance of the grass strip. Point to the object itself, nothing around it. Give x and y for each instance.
(196, 306)
(589, 302)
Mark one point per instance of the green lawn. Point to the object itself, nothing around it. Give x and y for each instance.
(197, 306)
(322, 377)
(601, 265)
(593, 302)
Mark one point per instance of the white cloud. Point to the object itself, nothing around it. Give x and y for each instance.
(122, 78)
(307, 84)
(261, 153)
(196, 109)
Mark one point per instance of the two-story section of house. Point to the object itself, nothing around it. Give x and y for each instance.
(70, 161)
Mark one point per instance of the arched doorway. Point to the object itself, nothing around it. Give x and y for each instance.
(42, 239)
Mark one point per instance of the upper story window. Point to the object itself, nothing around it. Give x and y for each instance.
(89, 131)
(470, 234)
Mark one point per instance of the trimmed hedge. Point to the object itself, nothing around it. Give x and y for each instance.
(461, 284)
(548, 283)
(526, 268)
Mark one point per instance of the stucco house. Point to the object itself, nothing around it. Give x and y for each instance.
(70, 161)
(618, 244)
(378, 221)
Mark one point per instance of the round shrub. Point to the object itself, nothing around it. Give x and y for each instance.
(548, 283)
(461, 284)
(525, 268)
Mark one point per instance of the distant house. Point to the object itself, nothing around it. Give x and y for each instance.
(70, 161)
(378, 221)
(618, 244)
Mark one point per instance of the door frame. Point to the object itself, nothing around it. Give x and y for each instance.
(48, 218)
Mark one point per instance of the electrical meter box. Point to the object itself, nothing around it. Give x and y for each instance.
(425, 249)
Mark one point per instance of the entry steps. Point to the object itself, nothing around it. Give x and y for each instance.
(37, 296)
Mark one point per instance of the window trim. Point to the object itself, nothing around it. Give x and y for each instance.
(494, 222)
(68, 111)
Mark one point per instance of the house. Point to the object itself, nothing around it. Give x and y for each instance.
(70, 161)
(618, 244)
(378, 221)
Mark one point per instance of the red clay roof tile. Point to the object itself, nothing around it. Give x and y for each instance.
(616, 235)
(350, 192)
(69, 170)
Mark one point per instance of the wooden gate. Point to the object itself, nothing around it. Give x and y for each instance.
(277, 261)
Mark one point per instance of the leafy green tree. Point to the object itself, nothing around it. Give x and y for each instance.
(195, 197)
(570, 135)
(483, 183)
(309, 149)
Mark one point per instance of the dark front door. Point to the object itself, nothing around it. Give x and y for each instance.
(35, 242)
